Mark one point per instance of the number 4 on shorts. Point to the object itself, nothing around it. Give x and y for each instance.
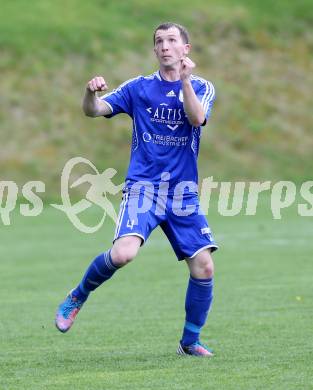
(130, 224)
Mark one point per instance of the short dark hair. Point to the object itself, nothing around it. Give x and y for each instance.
(166, 26)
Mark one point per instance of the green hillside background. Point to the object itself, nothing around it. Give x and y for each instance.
(257, 53)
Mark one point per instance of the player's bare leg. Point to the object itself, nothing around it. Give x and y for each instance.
(201, 266)
(125, 249)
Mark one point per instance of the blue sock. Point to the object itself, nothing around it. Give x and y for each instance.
(199, 297)
(100, 270)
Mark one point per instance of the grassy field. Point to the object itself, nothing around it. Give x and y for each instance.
(126, 335)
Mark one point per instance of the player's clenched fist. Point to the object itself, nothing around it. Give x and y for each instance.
(97, 84)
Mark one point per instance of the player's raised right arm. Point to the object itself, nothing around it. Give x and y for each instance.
(92, 105)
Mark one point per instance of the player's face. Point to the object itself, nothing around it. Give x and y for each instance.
(169, 47)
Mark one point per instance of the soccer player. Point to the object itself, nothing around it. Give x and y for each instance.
(168, 109)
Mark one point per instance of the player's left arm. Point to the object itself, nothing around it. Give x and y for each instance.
(192, 106)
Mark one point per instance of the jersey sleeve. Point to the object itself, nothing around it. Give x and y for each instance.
(206, 95)
(120, 99)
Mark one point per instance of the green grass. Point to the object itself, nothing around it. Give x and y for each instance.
(126, 335)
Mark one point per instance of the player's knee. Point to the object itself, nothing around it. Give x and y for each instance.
(124, 251)
(203, 272)
(208, 270)
(208, 267)
(122, 255)
(202, 266)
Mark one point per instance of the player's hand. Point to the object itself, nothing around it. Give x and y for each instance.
(186, 68)
(97, 84)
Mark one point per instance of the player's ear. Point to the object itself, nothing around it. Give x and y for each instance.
(187, 48)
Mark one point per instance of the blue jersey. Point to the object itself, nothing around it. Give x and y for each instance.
(163, 140)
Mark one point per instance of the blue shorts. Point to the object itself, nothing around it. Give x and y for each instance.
(180, 219)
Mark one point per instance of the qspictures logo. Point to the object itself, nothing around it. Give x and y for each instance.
(233, 197)
(100, 184)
